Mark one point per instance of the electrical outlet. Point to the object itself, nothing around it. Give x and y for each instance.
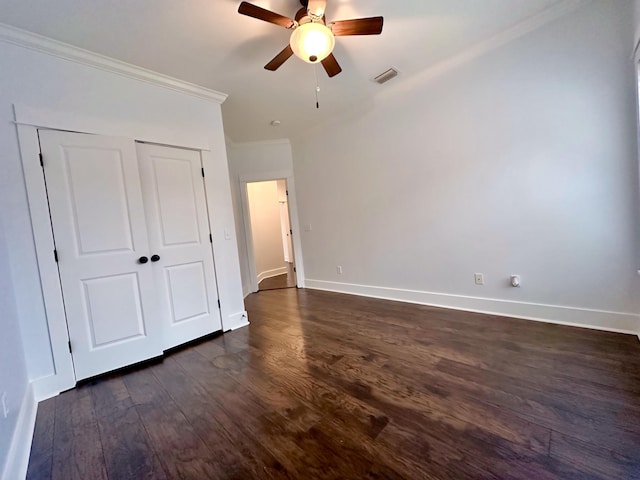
(5, 406)
(339, 269)
(479, 278)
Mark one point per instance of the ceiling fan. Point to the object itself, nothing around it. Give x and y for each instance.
(312, 39)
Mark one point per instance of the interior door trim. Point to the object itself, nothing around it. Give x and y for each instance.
(73, 122)
(287, 175)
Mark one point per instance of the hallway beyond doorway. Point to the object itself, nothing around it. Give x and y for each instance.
(286, 280)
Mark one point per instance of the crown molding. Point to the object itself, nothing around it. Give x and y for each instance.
(39, 43)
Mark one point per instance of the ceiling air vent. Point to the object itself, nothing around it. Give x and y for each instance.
(386, 76)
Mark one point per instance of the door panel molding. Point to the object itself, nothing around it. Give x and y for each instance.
(110, 299)
(186, 266)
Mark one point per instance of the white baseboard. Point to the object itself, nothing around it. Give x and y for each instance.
(237, 320)
(20, 448)
(618, 322)
(50, 386)
(272, 273)
(242, 325)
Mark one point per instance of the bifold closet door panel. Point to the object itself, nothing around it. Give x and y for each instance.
(179, 235)
(99, 226)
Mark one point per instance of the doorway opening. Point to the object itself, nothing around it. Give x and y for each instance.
(270, 224)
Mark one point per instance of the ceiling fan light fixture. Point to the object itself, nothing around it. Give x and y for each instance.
(312, 42)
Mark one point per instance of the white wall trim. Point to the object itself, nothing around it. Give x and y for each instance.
(18, 456)
(248, 237)
(618, 322)
(264, 176)
(63, 376)
(39, 43)
(243, 179)
(75, 122)
(272, 273)
(636, 65)
(241, 319)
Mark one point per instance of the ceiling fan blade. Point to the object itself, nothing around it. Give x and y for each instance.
(331, 66)
(357, 26)
(317, 7)
(260, 13)
(279, 59)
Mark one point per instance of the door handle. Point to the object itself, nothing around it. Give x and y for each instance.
(155, 258)
(143, 260)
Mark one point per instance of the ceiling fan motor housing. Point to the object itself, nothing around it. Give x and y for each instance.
(302, 16)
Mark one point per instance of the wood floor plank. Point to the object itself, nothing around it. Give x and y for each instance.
(180, 450)
(41, 459)
(127, 447)
(291, 393)
(329, 386)
(347, 420)
(238, 455)
(284, 439)
(77, 447)
(453, 411)
(420, 435)
(594, 459)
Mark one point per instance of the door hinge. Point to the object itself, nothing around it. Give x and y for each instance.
(202, 170)
(41, 160)
(210, 238)
(55, 255)
(294, 270)
(287, 192)
(291, 231)
(219, 304)
(70, 347)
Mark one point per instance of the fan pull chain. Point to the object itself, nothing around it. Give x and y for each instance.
(315, 72)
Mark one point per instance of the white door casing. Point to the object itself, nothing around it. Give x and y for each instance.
(296, 251)
(286, 231)
(98, 219)
(179, 233)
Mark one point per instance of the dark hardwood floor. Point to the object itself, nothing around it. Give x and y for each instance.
(329, 386)
(286, 280)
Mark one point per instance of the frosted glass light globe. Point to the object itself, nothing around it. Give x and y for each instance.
(312, 42)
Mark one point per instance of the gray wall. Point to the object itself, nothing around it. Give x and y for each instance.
(13, 372)
(522, 161)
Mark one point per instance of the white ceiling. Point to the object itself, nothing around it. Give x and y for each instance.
(208, 43)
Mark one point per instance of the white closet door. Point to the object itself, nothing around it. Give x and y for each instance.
(100, 232)
(178, 225)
